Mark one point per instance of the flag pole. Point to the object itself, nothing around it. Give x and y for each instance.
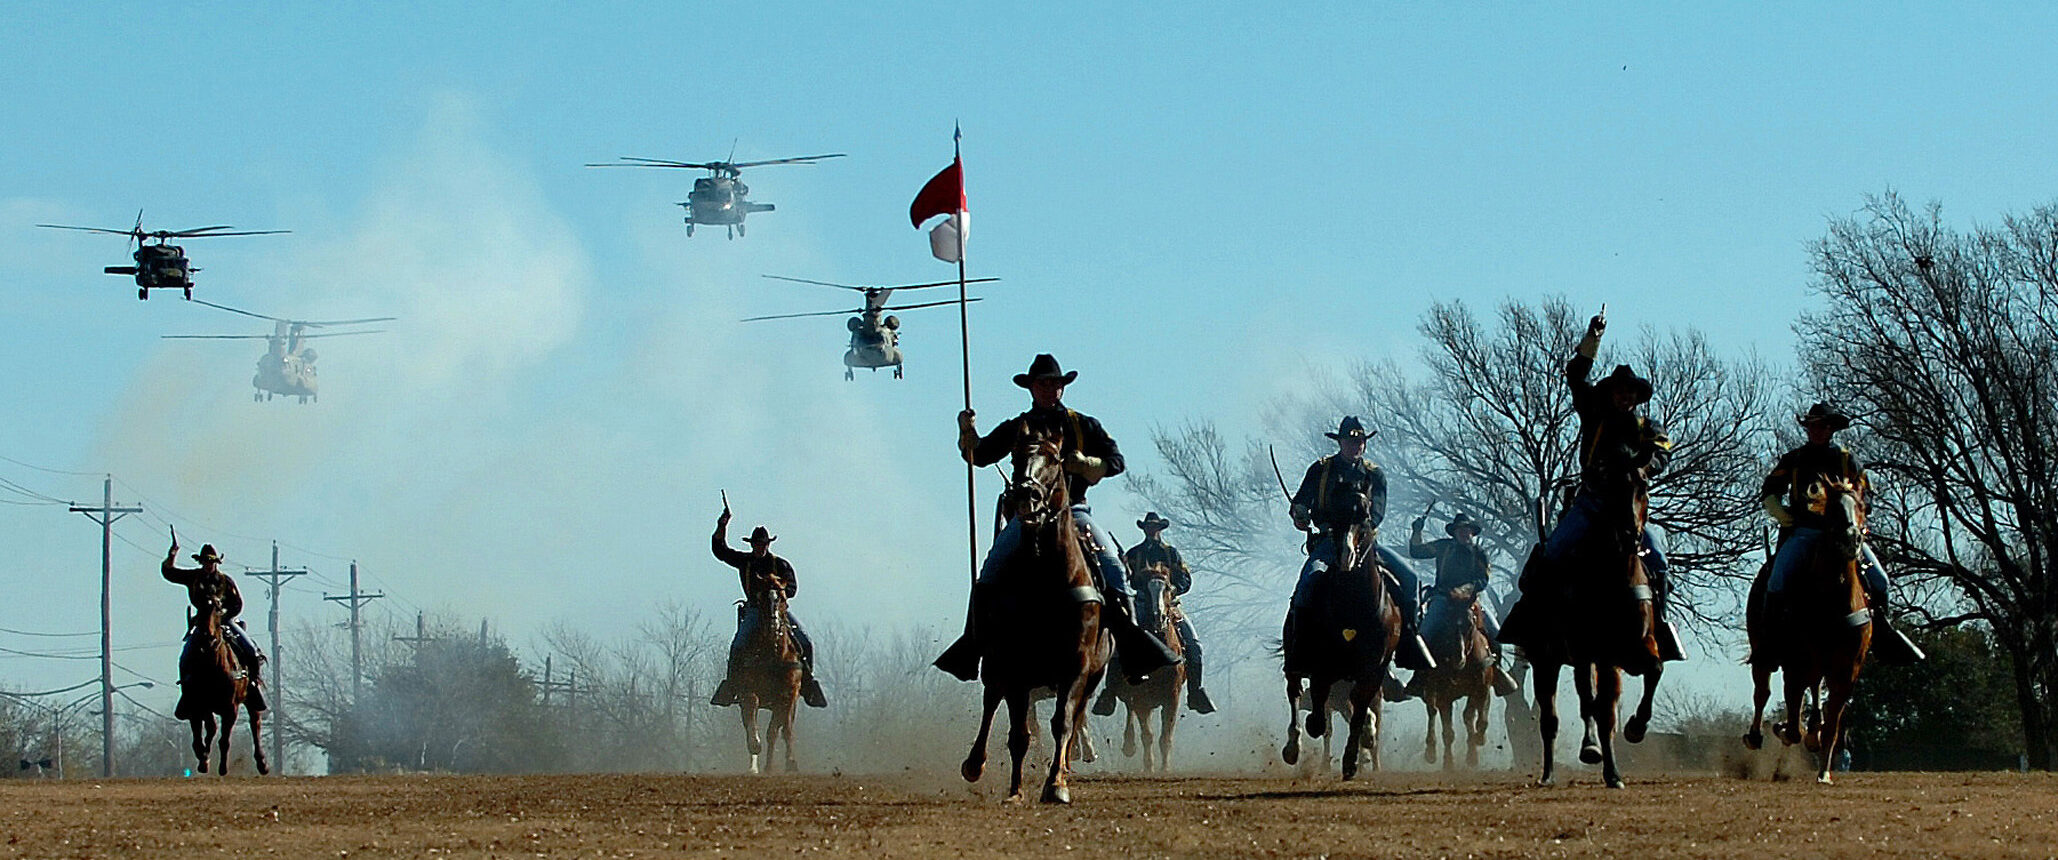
(965, 354)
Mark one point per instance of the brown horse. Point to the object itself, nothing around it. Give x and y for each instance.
(1039, 620)
(1157, 613)
(1347, 630)
(213, 685)
(767, 675)
(1464, 670)
(1603, 625)
(1819, 633)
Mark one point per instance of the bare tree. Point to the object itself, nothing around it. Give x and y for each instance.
(1944, 344)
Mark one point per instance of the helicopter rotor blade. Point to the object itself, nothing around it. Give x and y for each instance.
(816, 283)
(652, 162)
(205, 232)
(930, 304)
(326, 323)
(869, 289)
(240, 311)
(341, 333)
(797, 316)
(215, 336)
(805, 159)
(88, 229)
(939, 284)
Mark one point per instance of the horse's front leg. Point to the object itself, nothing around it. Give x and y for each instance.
(786, 730)
(975, 761)
(1355, 736)
(1318, 707)
(1583, 675)
(1761, 692)
(1475, 726)
(748, 704)
(221, 767)
(1796, 684)
(1019, 716)
(257, 742)
(1608, 683)
(1450, 733)
(1169, 720)
(1065, 715)
(203, 740)
(1374, 705)
(1142, 716)
(1291, 753)
(1633, 731)
(1832, 727)
(1544, 678)
(1429, 733)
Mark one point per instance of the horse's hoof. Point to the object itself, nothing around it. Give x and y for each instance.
(1012, 799)
(1318, 725)
(972, 769)
(1546, 781)
(1824, 779)
(1429, 755)
(1350, 771)
(1754, 740)
(1812, 741)
(1057, 794)
(1634, 731)
(1290, 754)
(263, 767)
(1590, 754)
(1616, 782)
(792, 766)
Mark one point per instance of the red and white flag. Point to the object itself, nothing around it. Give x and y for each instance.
(944, 195)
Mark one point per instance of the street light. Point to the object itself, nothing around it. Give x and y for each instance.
(57, 714)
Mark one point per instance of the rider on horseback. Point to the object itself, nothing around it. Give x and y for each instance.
(1089, 455)
(206, 585)
(760, 571)
(1822, 460)
(1341, 492)
(1618, 451)
(1140, 558)
(1462, 572)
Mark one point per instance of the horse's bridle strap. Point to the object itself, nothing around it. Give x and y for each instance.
(1085, 594)
(1642, 592)
(1859, 618)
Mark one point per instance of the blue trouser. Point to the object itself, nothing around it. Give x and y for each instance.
(1113, 578)
(1322, 553)
(1796, 548)
(1579, 519)
(239, 640)
(747, 623)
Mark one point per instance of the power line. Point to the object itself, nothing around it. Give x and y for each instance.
(78, 686)
(53, 635)
(48, 469)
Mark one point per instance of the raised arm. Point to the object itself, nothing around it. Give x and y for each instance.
(173, 573)
(729, 555)
(1417, 547)
(1582, 364)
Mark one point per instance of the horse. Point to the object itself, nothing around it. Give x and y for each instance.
(1347, 630)
(213, 684)
(1605, 625)
(1039, 620)
(1464, 670)
(767, 675)
(1819, 636)
(1157, 613)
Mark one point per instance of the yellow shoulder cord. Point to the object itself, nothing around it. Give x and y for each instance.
(1322, 487)
(1073, 442)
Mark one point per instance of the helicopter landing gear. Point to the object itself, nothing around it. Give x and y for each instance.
(896, 372)
(739, 229)
(849, 374)
(189, 293)
(732, 231)
(689, 227)
(303, 398)
(257, 397)
(143, 293)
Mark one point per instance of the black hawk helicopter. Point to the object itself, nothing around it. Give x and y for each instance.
(161, 265)
(874, 335)
(287, 366)
(720, 198)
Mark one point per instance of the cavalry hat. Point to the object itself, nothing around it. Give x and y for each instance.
(1461, 521)
(1153, 521)
(762, 535)
(1350, 428)
(1045, 367)
(1624, 376)
(207, 554)
(1824, 413)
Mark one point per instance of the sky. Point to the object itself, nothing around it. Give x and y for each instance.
(1195, 205)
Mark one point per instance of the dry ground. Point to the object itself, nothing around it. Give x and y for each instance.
(1868, 815)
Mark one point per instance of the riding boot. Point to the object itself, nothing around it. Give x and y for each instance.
(725, 695)
(1140, 653)
(1413, 652)
(811, 689)
(1892, 646)
(961, 659)
(1503, 684)
(1669, 649)
(1104, 706)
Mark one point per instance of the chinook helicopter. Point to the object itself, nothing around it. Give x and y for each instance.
(720, 198)
(287, 366)
(874, 335)
(161, 265)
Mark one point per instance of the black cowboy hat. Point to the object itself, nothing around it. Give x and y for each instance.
(761, 535)
(1461, 521)
(1351, 428)
(1824, 413)
(1153, 521)
(1624, 376)
(1045, 367)
(207, 554)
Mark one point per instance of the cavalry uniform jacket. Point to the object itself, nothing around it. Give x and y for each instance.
(1613, 443)
(1806, 465)
(758, 574)
(1340, 494)
(1081, 433)
(1456, 564)
(1143, 555)
(201, 585)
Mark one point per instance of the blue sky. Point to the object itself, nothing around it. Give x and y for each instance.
(1193, 205)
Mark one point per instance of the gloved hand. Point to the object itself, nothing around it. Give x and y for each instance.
(1090, 468)
(1777, 508)
(1590, 345)
(1302, 517)
(1420, 522)
(968, 433)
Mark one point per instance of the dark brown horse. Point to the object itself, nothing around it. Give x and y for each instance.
(1157, 613)
(1818, 633)
(1604, 624)
(767, 676)
(1039, 620)
(1464, 670)
(1347, 630)
(212, 687)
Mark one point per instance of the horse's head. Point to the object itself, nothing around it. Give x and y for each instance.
(1037, 489)
(1154, 597)
(1837, 501)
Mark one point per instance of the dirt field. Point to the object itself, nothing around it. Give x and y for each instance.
(1869, 815)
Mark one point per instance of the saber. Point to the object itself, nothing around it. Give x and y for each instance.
(1279, 476)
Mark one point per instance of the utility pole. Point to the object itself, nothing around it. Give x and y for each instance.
(357, 599)
(421, 633)
(105, 515)
(274, 578)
